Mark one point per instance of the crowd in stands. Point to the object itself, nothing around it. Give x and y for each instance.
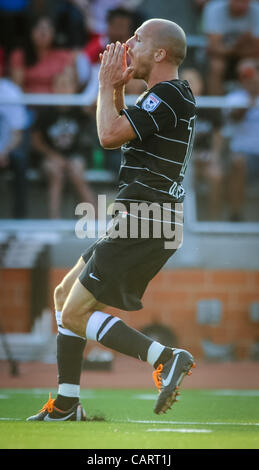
(53, 46)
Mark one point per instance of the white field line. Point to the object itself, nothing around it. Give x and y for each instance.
(36, 392)
(182, 430)
(223, 393)
(235, 393)
(192, 423)
(11, 419)
(176, 423)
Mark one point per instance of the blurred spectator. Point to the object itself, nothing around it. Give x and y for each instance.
(63, 135)
(1, 61)
(70, 18)
(244, 135)
(207, 147)
(12, 24)
(13, 155)
(200, 4)
(34, 67)
(98, 10)
(183, 12)
(232, 27)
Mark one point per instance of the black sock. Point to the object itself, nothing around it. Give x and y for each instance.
(70, 351)
(113, 333)
(65, 403)
(124, 339)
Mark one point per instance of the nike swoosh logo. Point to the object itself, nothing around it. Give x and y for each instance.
(166, 381)
(47, 418)
(94, 277)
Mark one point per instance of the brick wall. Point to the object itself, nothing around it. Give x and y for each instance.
(15, 300)
(171, 299)
(175, 295)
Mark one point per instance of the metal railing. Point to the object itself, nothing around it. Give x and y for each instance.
(51, 99)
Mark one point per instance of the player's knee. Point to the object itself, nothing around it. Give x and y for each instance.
(75, 320)
(69, 320)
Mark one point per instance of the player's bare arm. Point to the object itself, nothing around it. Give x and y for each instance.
(113, 129)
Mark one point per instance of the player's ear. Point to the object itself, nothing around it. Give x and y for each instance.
(159, 55)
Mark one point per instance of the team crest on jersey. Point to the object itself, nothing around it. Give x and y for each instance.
(151, 103)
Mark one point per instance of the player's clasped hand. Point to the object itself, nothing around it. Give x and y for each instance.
(114, 70)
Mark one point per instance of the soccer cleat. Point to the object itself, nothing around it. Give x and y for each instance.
(168, 378)
(49, 412)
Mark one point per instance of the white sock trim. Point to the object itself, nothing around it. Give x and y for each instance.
(58, 317)
(94, 324)
(154, 352)
(64, 331)
(69, 390)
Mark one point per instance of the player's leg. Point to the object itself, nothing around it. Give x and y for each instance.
(80, 314)
(70, 348)
(171, 364)
(83, 315)
(63, 288)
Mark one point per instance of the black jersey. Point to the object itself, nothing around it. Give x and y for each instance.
(153, 165)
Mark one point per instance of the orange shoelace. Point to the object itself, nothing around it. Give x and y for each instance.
(49, 405)
(157, 376)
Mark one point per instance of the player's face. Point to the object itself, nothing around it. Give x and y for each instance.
(141, 53)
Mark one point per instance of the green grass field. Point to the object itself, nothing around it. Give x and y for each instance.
(202, 419)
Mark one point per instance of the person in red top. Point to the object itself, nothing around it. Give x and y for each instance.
(35, 67)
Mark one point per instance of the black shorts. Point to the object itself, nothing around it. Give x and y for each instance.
(117, 271)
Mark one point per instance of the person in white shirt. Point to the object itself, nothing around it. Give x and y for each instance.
(243, 135)
(13, 121)
(232, 29)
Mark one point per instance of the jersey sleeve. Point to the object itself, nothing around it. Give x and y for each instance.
(151, 115)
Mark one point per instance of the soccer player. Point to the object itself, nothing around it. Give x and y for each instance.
(156, 136)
